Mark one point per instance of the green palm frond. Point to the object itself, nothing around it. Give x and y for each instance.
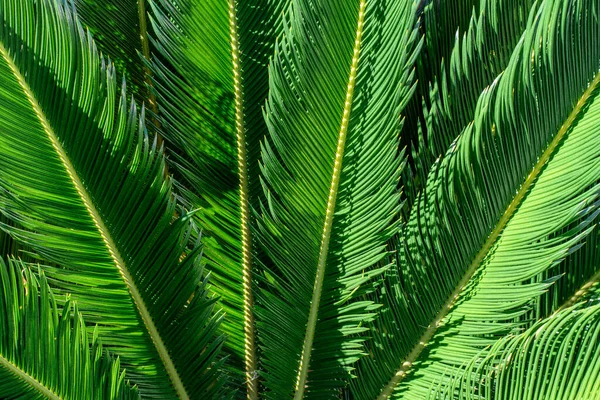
(339, 81)
(439, 23)
(120, 30)
(505, 205)
(481, 52)
(452, 104)
(211, 90)
(83, 181)
(46, 353)
(555, 359)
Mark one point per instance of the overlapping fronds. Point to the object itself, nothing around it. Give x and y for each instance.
(481, 52)
(339, 81)
(439, 22)
(120, 31)
(476, 59)
(81, 178)
(211, 92)
(46, 353)
(507, 203)
(556, 359)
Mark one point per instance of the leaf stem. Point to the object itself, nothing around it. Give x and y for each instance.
(509, 212)
(47, 393)
(326, 236)
(249, 335)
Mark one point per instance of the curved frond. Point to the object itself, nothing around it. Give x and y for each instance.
(46, 354)
(481, 52)
(339, 81)
(211, 97)
(439, 22)
(514, 195)
(478, 56)
(556, 359)
(82, 179)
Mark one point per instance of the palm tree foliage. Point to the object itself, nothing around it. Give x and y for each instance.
(299, 198)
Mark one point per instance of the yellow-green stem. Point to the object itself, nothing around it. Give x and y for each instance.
(249, 337)
(331, 201)
(47, 393)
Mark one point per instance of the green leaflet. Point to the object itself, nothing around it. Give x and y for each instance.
(339, 81)
(470, 220)
(83, 180)
(45, 353)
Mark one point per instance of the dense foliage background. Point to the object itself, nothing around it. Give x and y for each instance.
(357, 199)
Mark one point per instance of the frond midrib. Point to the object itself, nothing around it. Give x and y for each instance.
(249, 336)
(423, 341)
(30, 380)
(331, 203)
(102, 229)
(580, 293)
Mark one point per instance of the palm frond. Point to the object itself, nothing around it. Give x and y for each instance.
(514, 195)
(339, 81)
(476, 59)
(46, 353)
(120, 31)
(211, 95)
(557, 358)
(439, 23)
(481, 52)
(82, 179)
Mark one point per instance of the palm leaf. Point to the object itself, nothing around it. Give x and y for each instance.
(211, 92)
(557, 358)
(120, 30)
(498, 210)
(330, 170)
(481, 52)
(439, 23)
(476, 59)
(82, 179)
(45, 353)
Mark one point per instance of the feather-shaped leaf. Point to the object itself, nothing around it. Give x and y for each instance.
(481, 52)
(82, 179)
(211, 97)
(498, 208)
(556, 359)
(477, 58)
(340, 78)
(47, 354)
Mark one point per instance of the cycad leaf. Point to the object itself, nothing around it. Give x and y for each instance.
(211, 97)
(476, 60)
(339, 81)
(79, 175)
(120, 31)
(46, 354)
(481, 52)
(556, 359)
(439, 22)
(496, 210)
